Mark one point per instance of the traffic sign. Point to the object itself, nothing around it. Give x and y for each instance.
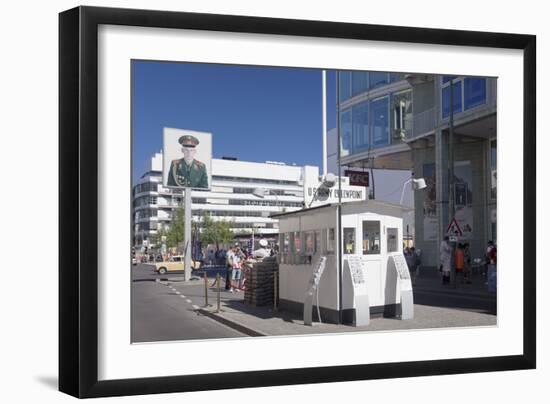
(454, 229)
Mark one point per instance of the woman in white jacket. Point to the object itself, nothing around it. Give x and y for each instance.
(445, 259)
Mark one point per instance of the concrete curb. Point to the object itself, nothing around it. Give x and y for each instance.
(232, 323)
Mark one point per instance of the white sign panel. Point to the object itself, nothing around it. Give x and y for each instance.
(315, 193)
(187, 160)
(317, 273)
(401, 266)
(356, 269)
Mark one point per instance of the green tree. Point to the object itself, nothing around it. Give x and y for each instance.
(156, 239)
(177, 226)
(215, 231)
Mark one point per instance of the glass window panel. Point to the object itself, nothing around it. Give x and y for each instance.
(474, 92)
(402, 111)
(493, 169)
(360, 127)
(297, 242)
(310, 242)
(318, 242)
(330, 240)
(397, 77)
(378, 79)
(446, 99)
(392, 239)
(345, 130)
(371, 237)
(380, 122)
(345, 85)
(349, 240)
(359, 82)
(446, 79)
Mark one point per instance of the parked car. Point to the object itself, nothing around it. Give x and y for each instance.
(175, 264)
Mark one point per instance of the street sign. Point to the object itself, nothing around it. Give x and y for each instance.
(454, 229)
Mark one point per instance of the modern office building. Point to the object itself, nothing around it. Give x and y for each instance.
(232, 197)
(402, 122)
(382, 184)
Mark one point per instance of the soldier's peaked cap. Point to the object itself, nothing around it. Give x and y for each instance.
(188, 140)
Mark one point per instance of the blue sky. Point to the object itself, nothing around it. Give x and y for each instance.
(254, 113)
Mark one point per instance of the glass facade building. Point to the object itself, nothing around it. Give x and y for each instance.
(401, 121)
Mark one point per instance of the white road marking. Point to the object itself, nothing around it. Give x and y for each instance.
(178, 293)
(195, 307)
(188, 301)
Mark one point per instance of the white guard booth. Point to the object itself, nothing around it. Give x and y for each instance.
(373, 279)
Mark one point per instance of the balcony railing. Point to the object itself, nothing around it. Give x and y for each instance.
(423, 122)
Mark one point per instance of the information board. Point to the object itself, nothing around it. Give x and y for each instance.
(356, 269)
(401, 266)
(405, 286)
(316, 274)
(313, 287)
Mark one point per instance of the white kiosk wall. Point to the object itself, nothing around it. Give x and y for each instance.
(297, 258)
(371, 230)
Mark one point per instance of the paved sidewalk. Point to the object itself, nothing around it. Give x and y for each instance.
(430, 281)
(265, 321)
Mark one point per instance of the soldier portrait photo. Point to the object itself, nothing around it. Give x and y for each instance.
(189, 170)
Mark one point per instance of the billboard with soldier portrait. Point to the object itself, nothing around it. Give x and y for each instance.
(187, 160)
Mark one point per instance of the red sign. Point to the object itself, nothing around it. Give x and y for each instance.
(454, 229)
(360, 178)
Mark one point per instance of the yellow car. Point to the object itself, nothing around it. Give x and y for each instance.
(175, 264)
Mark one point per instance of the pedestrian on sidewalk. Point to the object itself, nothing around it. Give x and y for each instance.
(417, 254)
(409, 258)
(467, 264)
(492, 268)
(445, 260)
(488, 253)
(229, 268)
(459, 262)
(238, 258)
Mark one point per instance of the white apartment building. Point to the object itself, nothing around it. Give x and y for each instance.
(231, 197)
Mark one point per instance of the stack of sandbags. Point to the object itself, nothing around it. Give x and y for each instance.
(260, 282)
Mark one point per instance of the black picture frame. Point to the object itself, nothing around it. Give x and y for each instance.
(78, 196)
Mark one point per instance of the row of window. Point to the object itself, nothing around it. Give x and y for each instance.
(252, 180)
(353, 83)
(146, 187)
(263, 202)
(371, 124)
(468, 92)
(298, 247)
(154, 187)
(152, 200)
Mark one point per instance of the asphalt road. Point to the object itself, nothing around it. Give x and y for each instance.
(143, 272)
(161, 311)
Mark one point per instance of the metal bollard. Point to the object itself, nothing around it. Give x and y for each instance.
(205, 289)
(218, 309)
(275, 290)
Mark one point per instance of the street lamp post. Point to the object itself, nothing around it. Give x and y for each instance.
(417, 184)
(452, 182)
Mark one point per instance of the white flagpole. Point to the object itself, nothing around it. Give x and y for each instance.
(324, 79)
